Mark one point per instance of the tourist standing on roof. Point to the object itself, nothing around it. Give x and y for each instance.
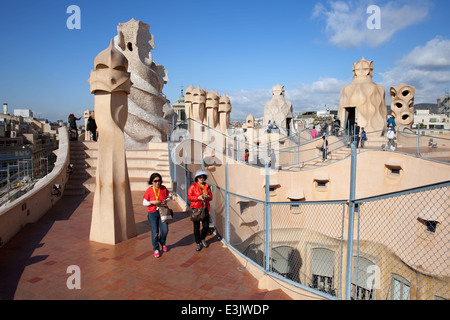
(246, 155)
(199, 194)
(155, 196)
(73, 126)
(314, 133)
(91, 126)
(363, 137)
(324, 148)
(391, 123)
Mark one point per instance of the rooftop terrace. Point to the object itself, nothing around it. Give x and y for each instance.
(34, 263)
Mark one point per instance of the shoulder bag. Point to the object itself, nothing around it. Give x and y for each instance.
(165, 213)
(197, 214)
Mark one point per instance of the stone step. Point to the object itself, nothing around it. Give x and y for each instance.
(375, 142)
(132, 172)
(131, 162)
(141, 164)
(146, 172)
(79, 192)
(79, 175)
(136, 184)
(92, 145)
(74, 189)
(150, 154)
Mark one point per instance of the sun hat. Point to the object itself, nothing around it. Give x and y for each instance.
(201, 173)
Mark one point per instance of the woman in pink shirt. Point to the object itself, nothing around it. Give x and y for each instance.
(314, 133)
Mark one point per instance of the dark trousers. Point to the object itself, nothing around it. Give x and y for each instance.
(94, 135)
(201, 235)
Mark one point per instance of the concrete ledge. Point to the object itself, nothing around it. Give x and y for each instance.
(35, 203)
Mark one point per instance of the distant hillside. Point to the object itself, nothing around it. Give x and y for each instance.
(433, 107)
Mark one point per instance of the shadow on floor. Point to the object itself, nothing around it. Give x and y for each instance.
(17, 254)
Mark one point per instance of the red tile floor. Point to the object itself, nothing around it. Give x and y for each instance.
(34, 264)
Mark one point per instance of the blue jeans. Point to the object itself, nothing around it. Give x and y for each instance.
(159, 230)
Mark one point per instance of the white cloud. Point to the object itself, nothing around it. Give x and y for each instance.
(304, 97)
(346, 22)
(245, 102)
(308, 97)
(434, 55)
(426, 67)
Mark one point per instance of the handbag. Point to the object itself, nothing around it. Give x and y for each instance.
(197, 214)
(165, 213)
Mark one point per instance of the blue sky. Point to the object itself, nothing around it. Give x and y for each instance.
(238, 48)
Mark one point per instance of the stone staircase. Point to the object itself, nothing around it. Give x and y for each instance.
(141, 164)
(334, 156)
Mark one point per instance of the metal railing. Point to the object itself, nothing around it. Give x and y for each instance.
(398, 247)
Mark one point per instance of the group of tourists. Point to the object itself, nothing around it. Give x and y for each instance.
(91, 126)
(155, 199)
(199, 196)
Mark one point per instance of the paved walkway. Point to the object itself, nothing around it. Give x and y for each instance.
(34, 264)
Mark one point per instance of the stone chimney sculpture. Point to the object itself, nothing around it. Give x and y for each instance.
(278, 110)
(112, 212)
(212, 109)
(363, 100)
(402, 104)
(149, 113)
(188, 102)
(207, 109)
(198, 104)
(224, 113)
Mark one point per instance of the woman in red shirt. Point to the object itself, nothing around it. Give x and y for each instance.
(155, 196)
(199, 194)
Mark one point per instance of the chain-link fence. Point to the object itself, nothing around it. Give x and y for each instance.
(402, 246)
(398, 248)
(307, 243)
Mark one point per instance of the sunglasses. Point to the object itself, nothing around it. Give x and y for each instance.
(156, 180)
(202, 177)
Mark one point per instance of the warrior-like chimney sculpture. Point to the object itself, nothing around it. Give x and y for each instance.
(363, 100)
(112, 212)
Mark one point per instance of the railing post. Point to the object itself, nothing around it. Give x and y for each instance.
(351, 215)
(227, 207)
(418, 140)
(267, 220)
(189, 121)
(202, 160)
(385, 139)
(171, 165)
(186, 178)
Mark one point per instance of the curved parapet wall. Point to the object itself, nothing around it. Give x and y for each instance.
(34, 204)
(378, 173)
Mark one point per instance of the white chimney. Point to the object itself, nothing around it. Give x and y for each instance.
(5, 108)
